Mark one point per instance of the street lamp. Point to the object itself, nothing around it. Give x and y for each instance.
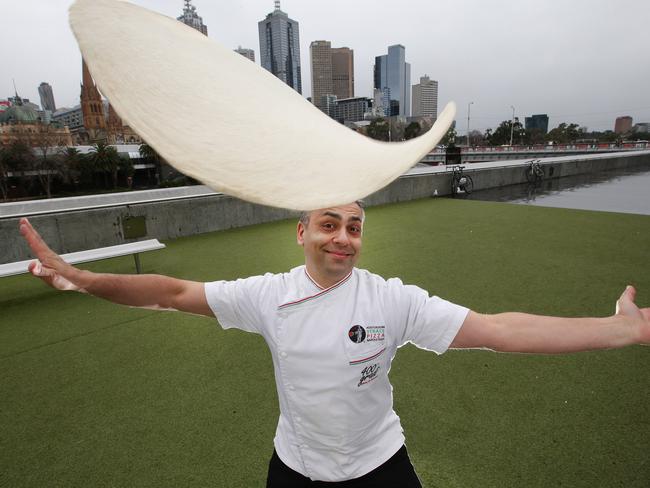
(512, 123)
(469, 105)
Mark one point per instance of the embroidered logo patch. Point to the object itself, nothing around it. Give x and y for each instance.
(357, 334)
(375, 333)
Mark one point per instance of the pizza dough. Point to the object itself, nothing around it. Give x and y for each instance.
(221, 119)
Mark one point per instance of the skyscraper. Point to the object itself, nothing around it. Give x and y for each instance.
(425, 98)
(343, 72)
(393, 77)
(191, 18)
(320, 53)
(247, 53)
(47, 97)
(280, 47)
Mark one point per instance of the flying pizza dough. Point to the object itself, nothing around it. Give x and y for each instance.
(221, 119)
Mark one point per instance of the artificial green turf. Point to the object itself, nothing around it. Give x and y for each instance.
(93, 394)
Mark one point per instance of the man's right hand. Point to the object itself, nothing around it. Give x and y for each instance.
(49, 267)
(147, 291)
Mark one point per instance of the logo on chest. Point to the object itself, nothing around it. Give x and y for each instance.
(359, 334)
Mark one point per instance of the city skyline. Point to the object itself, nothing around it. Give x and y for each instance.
(570, 64)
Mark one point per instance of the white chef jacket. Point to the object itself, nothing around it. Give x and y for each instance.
(332, 349)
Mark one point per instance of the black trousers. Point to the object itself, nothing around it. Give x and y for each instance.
(397, 472)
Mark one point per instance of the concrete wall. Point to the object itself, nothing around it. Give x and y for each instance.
(89, 229)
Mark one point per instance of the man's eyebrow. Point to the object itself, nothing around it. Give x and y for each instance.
(329, 213)
(333, 214)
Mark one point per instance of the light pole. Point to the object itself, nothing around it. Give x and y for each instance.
(512, 123)
(469, 105)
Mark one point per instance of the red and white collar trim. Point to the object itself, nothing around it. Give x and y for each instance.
(313, 280)
(323, 291)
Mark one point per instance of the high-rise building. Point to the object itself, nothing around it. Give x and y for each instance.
(425, 98)
(392, 76)
(343, 72)
(191, 18)
(247, 53)
(537, 122)
(332, 72)
(47, 97)
(320, 53)
(623, 124)
(280, 47)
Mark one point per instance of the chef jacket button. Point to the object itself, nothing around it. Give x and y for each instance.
(291, 387)
(283, 355)
(298, 419)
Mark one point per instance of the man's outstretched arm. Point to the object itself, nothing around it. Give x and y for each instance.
(152, 291)
(519, 332)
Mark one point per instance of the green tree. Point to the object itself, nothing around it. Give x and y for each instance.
(74, 167)
(449, 138)
(412, 130)
(501, 135)
(565, 133)
(535, 136)
(16, 158)
(106, 159)
(378, 129)
(47, 143)
(5, 169)
(148, 153)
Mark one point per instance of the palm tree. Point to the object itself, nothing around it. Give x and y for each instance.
(105, 159)
(72, 166)
(148, 153)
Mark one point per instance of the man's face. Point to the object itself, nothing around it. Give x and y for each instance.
(332, 241)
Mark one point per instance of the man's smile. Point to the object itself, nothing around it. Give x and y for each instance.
(339, 254)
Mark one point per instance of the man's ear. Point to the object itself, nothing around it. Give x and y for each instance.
(300, 234)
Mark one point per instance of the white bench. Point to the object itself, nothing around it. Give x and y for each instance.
(134, 248)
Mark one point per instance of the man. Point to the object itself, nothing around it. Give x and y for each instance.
(333, 331)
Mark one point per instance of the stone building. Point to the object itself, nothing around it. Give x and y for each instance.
(21, 122)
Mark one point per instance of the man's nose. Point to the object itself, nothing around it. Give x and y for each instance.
(341, 237)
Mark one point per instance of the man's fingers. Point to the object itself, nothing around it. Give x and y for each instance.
(37, 269)
(36, 243)
(629, 293)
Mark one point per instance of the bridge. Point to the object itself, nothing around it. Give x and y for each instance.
(478, 154)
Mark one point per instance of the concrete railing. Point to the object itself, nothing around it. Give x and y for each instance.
(99, 221)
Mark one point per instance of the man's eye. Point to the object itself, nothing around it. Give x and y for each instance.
(328, 226)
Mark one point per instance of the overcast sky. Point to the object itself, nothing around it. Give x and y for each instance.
(582, 61)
